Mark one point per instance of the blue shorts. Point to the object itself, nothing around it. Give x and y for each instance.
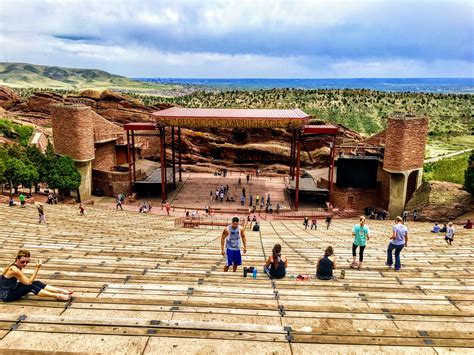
(233, 257)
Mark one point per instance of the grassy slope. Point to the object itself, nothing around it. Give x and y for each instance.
(365, 111)
(22, 75)
(450, 169)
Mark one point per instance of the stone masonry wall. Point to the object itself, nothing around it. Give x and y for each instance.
(73, 131)
(362, 198)
(405, 143)
(111, 183)
(105, 157)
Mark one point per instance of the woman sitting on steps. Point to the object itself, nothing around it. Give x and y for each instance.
(14, 284)
(276, 265)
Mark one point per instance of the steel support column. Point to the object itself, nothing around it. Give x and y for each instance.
(294, 154)
(331, 171)
(129, 160)
(163, 164)
(179, 153)
(166, 171)
(298, 153)
(173, 157)
(291, 154)
(134, 157)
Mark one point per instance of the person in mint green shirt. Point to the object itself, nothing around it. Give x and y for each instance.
(360, 232)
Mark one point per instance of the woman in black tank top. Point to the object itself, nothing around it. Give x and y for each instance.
(326, 264)
(276, 265)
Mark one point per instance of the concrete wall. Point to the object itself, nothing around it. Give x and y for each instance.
(85, 189)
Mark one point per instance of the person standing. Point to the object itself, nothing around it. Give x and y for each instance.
(242, 200)
(239, 183)
(257, 199)
(415, 215)
(328, 221)
(81, 209)
(268, 199)
(22, 200)
(243, 191)
(449, 233)
(405, 216)
(398, 240)
(251, 199)
(230, 244)
(119, 203)
(306, 222)
(168, 208)
(360, 232)
(42, 217)
(314, 223)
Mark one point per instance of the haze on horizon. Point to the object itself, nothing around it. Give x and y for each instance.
(244, 39)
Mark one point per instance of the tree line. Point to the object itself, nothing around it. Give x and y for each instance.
(27, 167)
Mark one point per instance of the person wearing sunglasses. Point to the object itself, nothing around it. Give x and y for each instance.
(14, 284)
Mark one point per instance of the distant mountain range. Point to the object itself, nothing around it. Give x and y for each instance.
(34, 76)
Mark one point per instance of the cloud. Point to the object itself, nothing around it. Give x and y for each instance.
(267, 38)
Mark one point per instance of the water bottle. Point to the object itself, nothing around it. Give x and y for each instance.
(245, 272)
(254, 274)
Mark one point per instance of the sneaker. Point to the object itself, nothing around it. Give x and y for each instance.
(354, 265)
(386, 264)
(397, 269)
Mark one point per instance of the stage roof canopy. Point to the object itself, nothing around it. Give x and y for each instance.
(231, 118)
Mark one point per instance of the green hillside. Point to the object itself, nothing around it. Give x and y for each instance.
(23, 75)
(365, 111)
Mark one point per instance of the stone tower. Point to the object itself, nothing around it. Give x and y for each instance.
(73, 135)
(405, 144)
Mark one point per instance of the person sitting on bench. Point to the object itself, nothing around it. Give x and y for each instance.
(436, 228)
(326, 264)
(14, 284)
(256, 227)
(276, 264)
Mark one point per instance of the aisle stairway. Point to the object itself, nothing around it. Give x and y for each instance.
(143, 286)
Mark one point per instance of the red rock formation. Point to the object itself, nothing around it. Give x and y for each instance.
(208, 146)
(440, 201)
(8, 97)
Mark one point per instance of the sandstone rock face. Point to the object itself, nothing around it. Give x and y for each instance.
(8, 97)
(42, 101)
(440, 201)
(214, 146)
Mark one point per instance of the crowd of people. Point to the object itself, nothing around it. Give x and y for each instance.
(14, 284)
(233, 237)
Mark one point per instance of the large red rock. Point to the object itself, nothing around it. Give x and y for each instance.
(438, 201)
(42, 101)
(8, 97)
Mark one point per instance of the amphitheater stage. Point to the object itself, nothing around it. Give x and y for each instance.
(195, 191)
(144, 286)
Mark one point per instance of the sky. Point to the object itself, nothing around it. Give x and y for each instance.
(244, 39)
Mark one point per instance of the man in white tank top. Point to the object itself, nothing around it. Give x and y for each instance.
(231, 237)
